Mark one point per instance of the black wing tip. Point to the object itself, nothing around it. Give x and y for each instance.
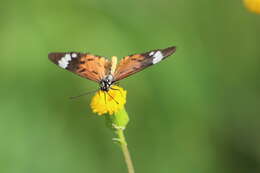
(169, 51)
(54, 57)
(50, 56)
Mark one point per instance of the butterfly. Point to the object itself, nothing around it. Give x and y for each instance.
(104, 71)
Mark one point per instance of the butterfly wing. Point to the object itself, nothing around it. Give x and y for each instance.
(83, 64)
(137, 62)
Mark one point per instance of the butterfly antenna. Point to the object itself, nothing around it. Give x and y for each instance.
(112, 98)
(105, 97)
(116, 83)
(89, 92)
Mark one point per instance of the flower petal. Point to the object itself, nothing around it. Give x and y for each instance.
(108, 102)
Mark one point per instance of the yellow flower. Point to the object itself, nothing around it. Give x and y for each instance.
(108, 102)
(253, 5)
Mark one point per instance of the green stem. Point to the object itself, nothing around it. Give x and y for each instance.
(125, 150)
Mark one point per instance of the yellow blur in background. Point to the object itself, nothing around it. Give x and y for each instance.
(196, 112)
(253, 5)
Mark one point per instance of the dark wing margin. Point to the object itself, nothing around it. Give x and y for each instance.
(134, 63)
(86, 65)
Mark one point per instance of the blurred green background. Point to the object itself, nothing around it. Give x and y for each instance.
(196, 112)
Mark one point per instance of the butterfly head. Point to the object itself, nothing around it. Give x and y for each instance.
(106, 83)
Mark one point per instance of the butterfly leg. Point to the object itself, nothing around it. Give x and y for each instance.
(105, 97)
(117, 90)
(112, 98)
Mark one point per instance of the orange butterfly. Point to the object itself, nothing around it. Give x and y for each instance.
(105, 71)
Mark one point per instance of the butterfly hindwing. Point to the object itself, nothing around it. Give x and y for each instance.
(83, 64)
(134, 63)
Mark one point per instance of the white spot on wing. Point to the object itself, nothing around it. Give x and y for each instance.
(157, 57)
(64, 61)
(74, 55)
(67, 57)
(151, 53)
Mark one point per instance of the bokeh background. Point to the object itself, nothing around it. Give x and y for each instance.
(196, 112)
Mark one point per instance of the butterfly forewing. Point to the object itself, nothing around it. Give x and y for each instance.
(137, 62)
(83, 64)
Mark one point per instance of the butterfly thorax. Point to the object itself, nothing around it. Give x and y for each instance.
(106, 83)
